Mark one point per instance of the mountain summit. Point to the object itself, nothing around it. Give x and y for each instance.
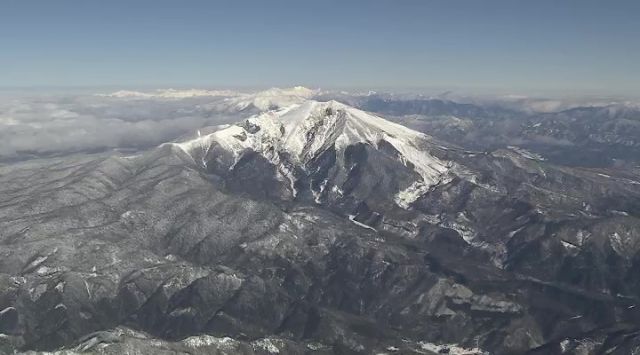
(296, 138)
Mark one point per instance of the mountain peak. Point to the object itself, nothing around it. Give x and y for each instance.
(304, 129)
(301, 133)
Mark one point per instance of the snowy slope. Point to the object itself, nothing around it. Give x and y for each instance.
(306, 129)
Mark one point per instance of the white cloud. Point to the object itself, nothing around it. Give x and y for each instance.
(124, 119)
(36, 125)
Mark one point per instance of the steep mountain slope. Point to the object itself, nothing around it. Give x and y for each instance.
(296, 139)
(317, 228)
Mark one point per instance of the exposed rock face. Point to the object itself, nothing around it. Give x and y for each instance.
(322, 229)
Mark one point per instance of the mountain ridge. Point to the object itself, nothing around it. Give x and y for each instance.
(297, 238)
(303, 131)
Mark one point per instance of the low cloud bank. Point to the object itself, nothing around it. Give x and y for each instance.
(46, 125)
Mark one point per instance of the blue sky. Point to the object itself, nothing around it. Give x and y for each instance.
(581, 46)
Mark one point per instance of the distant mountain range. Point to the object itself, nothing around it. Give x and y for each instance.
(595, 136)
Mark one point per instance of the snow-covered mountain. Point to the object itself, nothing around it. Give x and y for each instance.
(298, 134)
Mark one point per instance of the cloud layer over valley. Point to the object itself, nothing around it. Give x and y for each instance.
(43, 125)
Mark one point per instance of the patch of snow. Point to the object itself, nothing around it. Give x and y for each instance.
(623, 244)
(468, 234)
(37, 262)
(6, 310)
(472, 178)
(336, 191)
(267, 345)
(512, 233)
(452, 349)
(60, 286)
(527, 154)
(568, 245)
(126, 215)
(616, 242)
(316, 346)
(86, 285)
(620, 213)
(582, 236)
(317, 195)
(409, 195)
(352, 219)
(18, 280)
(45, 270)
(432, 219)
(183, 311)
(208, 340)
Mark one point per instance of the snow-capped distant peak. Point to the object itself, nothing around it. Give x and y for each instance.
(272, 98)
(169, 94)
(226, 100)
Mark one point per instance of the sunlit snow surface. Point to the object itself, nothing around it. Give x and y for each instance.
(304, 130)
(452, 349)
